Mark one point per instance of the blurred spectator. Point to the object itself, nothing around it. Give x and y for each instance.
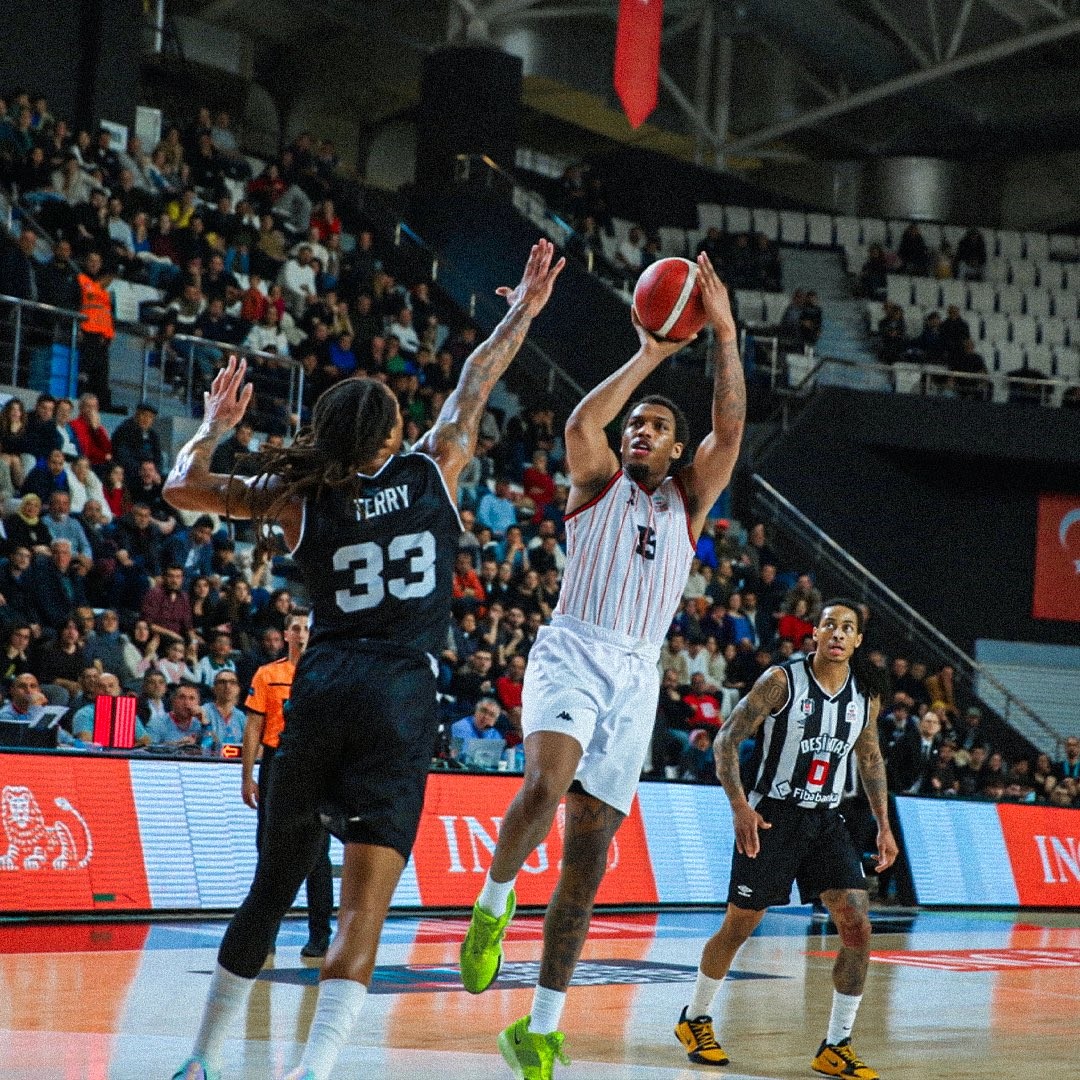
(872, 276)
(913, 252)
(697, 762)
(971, 256)
(1069, 766)
(183, 724)
(473, 680)
(481, 724)
(56, 585)
(223, 712)
(804, 589)
(15, 658)
(167, 609)
(25, 528)
(136, 441)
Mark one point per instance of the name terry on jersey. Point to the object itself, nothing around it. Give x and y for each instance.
(382, 502)
(827, 743)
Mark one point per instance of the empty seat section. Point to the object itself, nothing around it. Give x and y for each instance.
(792, 227)
(767, 222)
(819, 229)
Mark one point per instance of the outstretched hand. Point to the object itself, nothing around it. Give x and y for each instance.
(653, 345)
(225, 403)
(714, 296)
(536, 283)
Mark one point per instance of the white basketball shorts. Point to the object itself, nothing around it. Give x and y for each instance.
(600, 687)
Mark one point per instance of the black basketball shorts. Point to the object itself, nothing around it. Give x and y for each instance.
(811, 847)
(360, 728)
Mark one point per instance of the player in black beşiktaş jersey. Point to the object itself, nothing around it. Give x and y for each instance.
(375, 533)
(807, 717)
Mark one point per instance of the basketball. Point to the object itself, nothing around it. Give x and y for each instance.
(667, 299)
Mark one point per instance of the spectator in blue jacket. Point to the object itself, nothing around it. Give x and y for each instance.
(192, 550)
(57, 585)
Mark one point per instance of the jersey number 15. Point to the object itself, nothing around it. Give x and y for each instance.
(366, 561)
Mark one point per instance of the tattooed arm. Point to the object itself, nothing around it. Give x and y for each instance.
(452, 439)
(192, 486)
(767, 695)
(715, 459)
(867, 750)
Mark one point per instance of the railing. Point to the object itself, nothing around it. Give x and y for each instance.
(863, 585)
(796, 374)
(54, 314)
(152, 341)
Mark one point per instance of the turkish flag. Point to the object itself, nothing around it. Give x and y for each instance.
(637, 57)
(1057, 559)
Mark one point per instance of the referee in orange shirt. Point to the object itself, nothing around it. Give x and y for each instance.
(265, 708)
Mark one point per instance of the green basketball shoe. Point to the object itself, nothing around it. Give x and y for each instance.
(531, 1056)
(481, 951)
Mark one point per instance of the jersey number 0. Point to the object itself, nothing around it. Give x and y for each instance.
(366, 561)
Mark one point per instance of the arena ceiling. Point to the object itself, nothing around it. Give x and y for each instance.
(810, 79)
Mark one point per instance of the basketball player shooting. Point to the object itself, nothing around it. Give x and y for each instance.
(807, 716)
(374, 532)
(592, 684)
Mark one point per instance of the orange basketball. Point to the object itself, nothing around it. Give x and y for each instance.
(667, 299)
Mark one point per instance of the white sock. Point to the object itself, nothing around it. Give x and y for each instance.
(842, 1020)
(704, 992)
(547, 1010)
(227, 995)
(494, 894)
(336, 1013)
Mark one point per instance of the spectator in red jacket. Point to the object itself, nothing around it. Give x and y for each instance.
(508, 685)
(468, 590)
(795, 625)
(539, 485)
(94, 442)
(706, 706)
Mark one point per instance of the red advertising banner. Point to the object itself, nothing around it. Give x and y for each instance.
(460, 828)
(1044, 849)
(69, 835)
(1057, 559)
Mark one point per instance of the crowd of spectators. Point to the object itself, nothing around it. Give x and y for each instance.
(913, 255)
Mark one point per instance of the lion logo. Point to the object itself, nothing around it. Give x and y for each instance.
(31, 843)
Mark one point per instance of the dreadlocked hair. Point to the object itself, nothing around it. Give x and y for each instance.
(349, 425)
(869, 680)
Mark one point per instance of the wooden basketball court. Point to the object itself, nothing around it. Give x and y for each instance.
(963, 995)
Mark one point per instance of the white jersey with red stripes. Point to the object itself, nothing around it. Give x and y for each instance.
(628, 554)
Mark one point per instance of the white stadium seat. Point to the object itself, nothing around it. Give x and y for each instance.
(954, 292)
(737, 219)
(927, 292)
(953, 233)
(995, 328)
(767, 222)
(1025, 329)
(1010, 299)
(792, 227)
(898, 289)
(672, 240)
(1040, 358)
(1065, 305)
(996, 269)
(751, 306)
(1037, 246)
(710, 216)
(914, 317)
(1039, 303)
(1010, 243)
(1023, 272)
(874, 231)
(1062, 245)
(848, 234)
(1054, 332)
(983, 296)
(1008, 357)
(775, 306)
(819, 229)
(908, 377)
(1068, 364)
(875, 312)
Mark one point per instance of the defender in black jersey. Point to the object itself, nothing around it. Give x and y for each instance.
(807, 717)
(375, 533)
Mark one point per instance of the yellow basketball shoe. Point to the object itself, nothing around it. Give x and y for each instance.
(841, 1060)
(699, 1040)
(531, 1056)
(481, 953)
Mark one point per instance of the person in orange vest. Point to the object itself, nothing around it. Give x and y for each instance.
(97, 330)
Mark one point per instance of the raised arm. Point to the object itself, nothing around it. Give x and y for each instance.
(867, 751)
(452, 439)
(590, 460)
(192, 486)
(767, 695)
(715, 459)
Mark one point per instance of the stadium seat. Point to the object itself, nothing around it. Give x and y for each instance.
(767, 222)
(819, 229)
(1053, 276)
(1040, 358)
(792, 227)
(996, 269)
(1008, 357)
(1068, 364)
(1037, 246)
(693, 239)
(1023, 272)
(737, 219)
(874, 231)
(927, 292)
(914, 317)
(875, 312)
(672, 240)
(1074, 333)
(953, 233)
(1063, 246)
(954, 292)
(622, 229)
(1054, 332)
(775, 306)
(995, 327)
(799, 367)
(751, 306)
(907, 377)
(710, 216)
(848, 234)
(1010, 243)
(982, 296)
(898, 289)
(855, 257)
(1037, 302)
(932, 233)
(1025, 329)
(1065, 304)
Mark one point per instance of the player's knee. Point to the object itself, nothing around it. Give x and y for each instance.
(541, 794)
(854, 927)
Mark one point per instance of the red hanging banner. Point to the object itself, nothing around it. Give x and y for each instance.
(637, 57)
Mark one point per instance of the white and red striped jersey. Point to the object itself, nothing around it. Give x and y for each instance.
(628, 556)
